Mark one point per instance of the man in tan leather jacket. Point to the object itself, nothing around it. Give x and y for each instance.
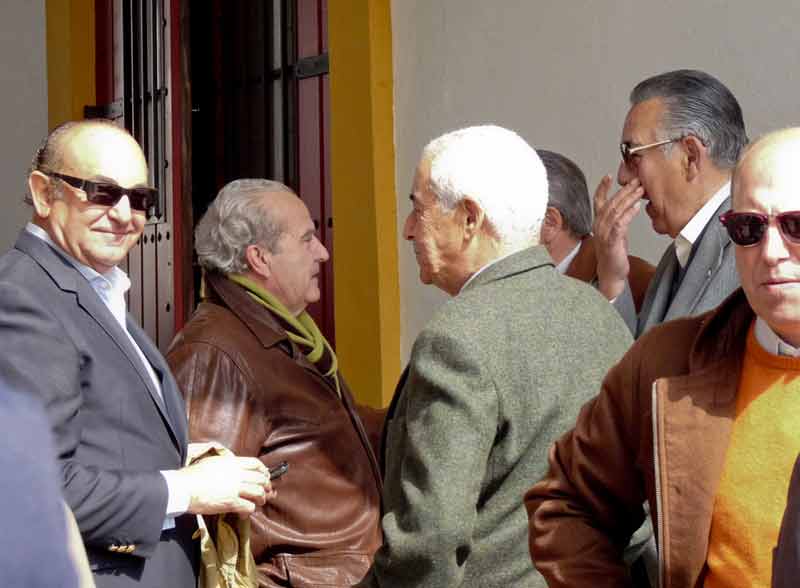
(697, 419)
(258, 376)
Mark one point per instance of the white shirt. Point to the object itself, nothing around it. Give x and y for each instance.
(564, 263)
(771, 342)
(111, 288)
(689, 234)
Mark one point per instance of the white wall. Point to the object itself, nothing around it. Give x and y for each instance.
(23, 106)
(559, 72)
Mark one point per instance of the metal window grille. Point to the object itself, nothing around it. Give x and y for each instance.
(145, 104)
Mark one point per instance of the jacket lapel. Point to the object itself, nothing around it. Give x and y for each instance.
(68, 279)
(695, 420)
(169, 403)
(703, 267)
(261, 322)
(656, 300)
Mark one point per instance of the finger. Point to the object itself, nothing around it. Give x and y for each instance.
(622, 201)
(253, 477)
(619, 230)
(601, 193)
(631, 212)
(256, 494)
(240, 505)
(253, 464)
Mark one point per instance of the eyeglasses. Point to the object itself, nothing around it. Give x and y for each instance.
(628, 151)
(144, 199)
(748, 228)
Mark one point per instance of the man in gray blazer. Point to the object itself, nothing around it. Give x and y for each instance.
(118, 422)
(494, 378)
(681, 139)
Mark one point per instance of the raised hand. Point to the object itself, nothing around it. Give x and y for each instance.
(612, 218)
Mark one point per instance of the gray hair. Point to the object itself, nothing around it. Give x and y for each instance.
(700, 105)
(236, 219)
(569, 193)
(497, 169)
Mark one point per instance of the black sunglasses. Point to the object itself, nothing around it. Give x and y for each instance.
(144, 199)
(748, 228)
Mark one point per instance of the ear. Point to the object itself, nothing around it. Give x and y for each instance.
(259, 260)
(42, 193)
(553, 224)
(696, 155)
(473, 218)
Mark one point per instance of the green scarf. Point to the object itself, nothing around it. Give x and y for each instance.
(304, 331)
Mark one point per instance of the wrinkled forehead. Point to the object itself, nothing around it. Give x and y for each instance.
(421, 184)
(104, 152)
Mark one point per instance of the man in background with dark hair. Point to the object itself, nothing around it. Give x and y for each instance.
(682, 137)
(567, 227)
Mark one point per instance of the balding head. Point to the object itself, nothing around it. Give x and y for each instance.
(766, 183)
(50, 154)
(85, 156)
(775, 154)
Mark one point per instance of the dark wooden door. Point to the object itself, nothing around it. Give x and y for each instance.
(259, 88)
(133, 86)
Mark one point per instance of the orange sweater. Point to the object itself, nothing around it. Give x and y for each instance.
(751, 497)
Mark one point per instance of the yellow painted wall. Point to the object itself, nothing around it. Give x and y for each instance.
(70, 59)
(364, 200)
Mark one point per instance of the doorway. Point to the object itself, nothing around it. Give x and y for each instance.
(259, 109)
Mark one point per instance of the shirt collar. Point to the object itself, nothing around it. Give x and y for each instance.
(690, 233)
(563, 265)
(115, 279)
(771, 342)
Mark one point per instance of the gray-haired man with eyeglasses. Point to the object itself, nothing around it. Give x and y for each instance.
(681, 139)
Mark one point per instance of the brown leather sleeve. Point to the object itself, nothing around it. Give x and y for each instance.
(221, 408)
(639, 277)
(219, 404)
(584, 511)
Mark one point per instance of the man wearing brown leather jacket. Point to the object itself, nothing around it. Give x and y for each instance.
(701, 418)
(258, 376)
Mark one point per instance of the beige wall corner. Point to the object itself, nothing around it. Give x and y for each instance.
(364, 199)
(70, 59)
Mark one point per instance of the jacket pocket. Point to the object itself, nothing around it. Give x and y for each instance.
(331, 568)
